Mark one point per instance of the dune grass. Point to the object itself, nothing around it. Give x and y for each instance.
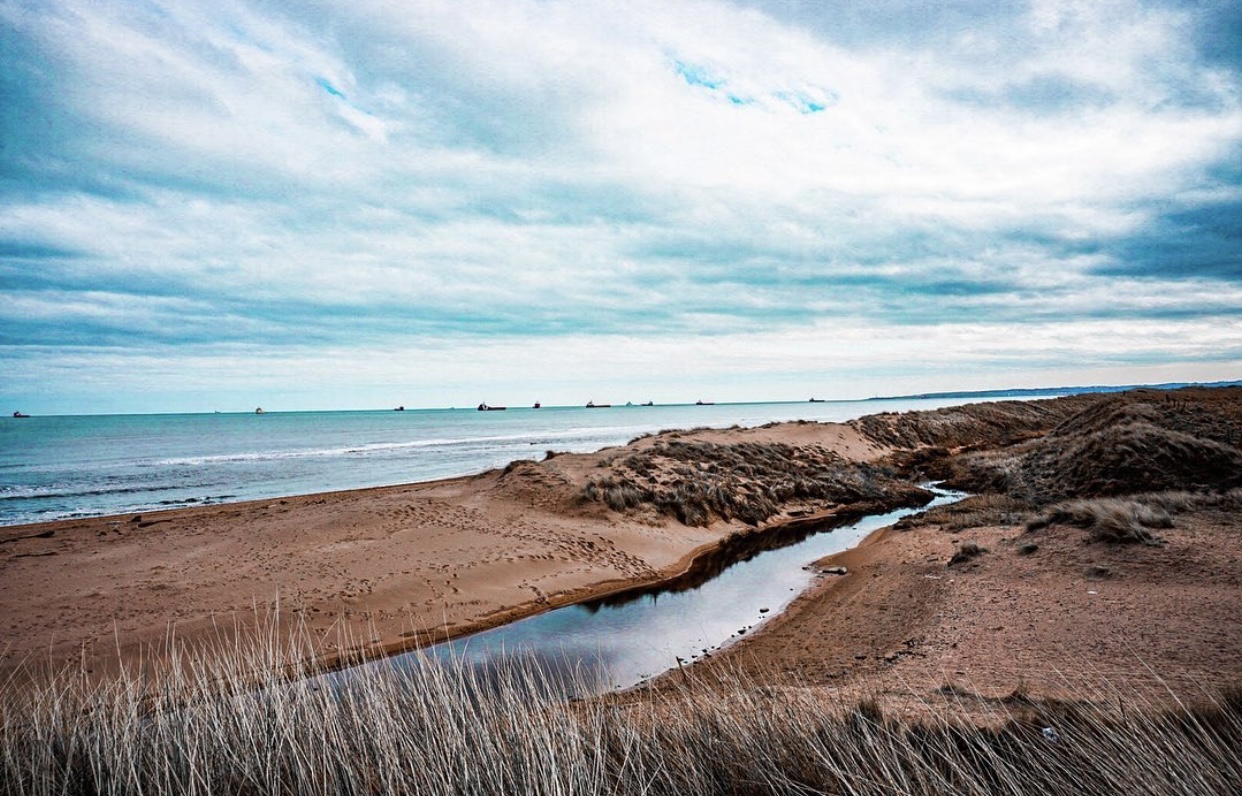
(1108, 519)
(237, 724)
(698, 482)
(1073, 448)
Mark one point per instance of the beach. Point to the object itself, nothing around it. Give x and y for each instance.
(386, 568)
(369, 572)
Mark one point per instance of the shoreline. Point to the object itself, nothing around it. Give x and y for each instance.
(369, 450)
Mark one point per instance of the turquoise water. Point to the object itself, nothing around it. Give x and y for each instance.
(75, 466)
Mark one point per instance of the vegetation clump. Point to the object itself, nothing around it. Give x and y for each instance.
(973, 511)
(966, 551)
(1045, 453)
(1133, 456)
(697, 482)
(1108, 519)
(987, 425)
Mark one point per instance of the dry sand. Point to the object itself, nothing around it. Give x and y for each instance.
(396, 565)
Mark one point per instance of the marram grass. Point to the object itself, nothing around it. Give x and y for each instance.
(237, 724)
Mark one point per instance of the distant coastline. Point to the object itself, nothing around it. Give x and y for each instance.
(1016, 393)
(1053, 392)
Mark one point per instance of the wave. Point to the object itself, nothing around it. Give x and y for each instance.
(465, 443)
(198, 501)
(57, 511)
(53, 491)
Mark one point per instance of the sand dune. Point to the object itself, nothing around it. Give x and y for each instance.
(1050, 607)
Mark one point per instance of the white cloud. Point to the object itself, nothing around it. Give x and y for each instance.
(491, 174)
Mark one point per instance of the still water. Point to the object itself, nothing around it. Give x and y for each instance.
(622, 641)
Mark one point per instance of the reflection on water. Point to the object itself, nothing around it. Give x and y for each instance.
(732, 552)
(623, 640)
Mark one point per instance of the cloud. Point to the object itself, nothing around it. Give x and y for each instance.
(1217, 32)
(449, 178)
(1041, 94)
(1196, 238)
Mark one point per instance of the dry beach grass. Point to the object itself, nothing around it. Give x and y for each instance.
(700, 482)
(233, 724)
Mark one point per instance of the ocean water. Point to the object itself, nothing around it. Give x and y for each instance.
(76, 466)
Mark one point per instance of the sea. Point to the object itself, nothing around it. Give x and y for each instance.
(63, 467)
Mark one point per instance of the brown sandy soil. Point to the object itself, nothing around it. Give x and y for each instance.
(1073, 619)
(379, 569)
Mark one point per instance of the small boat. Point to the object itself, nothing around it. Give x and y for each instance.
(399, 409)
(817, 400)
(704, 403)
(648, 403)
(593, 405)
(486, 408)
(258, 411)
(538, 405)
(19, 415)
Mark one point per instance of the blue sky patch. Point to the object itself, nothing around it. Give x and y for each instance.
(698, 75)
(327, 86)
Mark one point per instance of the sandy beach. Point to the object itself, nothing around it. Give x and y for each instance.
(1051, 611)
(382, 569)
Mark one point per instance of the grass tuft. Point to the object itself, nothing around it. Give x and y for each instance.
(1116, 520)
(966, 551)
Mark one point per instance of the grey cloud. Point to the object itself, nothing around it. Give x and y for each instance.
(23, 252)
(1218, 31)
(1202, 242)
(888, 23)
(1039, 95)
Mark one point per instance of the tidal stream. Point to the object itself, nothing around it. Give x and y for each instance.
(622, 640)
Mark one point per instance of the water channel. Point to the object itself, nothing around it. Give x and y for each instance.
(621, 641)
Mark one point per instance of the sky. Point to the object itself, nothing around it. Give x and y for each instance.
(226, 204)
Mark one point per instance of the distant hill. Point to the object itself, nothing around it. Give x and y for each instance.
(1053, 392)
